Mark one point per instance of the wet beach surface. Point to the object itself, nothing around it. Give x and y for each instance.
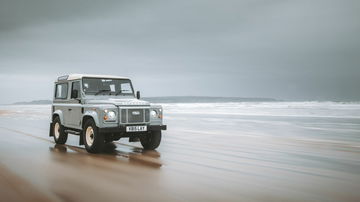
(210, 152)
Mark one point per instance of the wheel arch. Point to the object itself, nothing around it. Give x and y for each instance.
(58, 113)
(90, 115)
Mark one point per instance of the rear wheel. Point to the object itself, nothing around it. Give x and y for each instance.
(93, 140)
(151, 141)
(60, 136)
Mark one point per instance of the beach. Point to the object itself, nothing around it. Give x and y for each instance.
(236, 151)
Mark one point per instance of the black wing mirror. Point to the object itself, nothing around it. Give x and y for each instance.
(138, 95)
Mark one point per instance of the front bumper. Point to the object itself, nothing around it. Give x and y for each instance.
(122, 129)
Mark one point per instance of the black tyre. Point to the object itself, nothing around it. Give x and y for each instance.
(60, 136)
(93, 140)
(151, 141)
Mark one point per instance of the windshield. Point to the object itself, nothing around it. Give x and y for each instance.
(104, 86)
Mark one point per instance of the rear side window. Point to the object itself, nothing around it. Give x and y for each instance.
(61, 91)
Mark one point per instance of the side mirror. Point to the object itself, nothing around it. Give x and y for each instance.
(138, 94)
(75, 94)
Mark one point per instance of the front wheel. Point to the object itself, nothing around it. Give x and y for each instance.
(151, 141)
(60, 136)
(93, 140)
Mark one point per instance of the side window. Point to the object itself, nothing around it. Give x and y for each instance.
(61, 91)
(75, 89)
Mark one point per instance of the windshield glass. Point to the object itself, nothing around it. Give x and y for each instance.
(104, 86)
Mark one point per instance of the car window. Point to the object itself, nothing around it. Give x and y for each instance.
(75, 86)
(126, 87)
(94, 86)
(61, 91)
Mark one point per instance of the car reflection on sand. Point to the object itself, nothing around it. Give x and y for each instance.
(135, 155)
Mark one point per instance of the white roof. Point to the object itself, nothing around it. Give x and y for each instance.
(80, 76)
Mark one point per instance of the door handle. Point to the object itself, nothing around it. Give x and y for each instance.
(69, 109)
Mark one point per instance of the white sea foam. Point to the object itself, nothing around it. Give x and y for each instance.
(291, 109)
(294, 109)
(29, 112)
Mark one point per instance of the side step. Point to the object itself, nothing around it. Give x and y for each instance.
(72, 132)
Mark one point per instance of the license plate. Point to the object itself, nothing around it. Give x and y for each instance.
(136, 128)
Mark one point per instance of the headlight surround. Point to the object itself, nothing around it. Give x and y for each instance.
(109, 115)
(153, 113)
(156, 113)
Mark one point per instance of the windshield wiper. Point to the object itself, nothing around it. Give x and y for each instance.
(102, 90)
(120, 91)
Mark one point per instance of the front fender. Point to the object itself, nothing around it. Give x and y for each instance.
(94, 115)
(60, 114)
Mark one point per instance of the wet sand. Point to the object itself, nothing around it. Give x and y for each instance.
(13, 188)
(212, 156)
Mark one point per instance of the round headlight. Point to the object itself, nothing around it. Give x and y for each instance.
(153, 113)
(110, 115)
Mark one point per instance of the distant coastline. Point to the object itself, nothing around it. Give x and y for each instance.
(34, 102)
(175, 99)
(205, 99)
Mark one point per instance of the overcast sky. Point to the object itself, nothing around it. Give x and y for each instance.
(292, 50)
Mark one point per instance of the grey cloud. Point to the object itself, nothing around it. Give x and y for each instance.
(299, 50)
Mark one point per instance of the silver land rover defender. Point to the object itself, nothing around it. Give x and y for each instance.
(103, 109)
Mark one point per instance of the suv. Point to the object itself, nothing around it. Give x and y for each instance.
(103, 109)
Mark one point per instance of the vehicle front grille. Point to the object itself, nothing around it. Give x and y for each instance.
(135, 115)
(147, 115)
(123, 116)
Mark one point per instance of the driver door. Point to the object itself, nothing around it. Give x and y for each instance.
(75, 106)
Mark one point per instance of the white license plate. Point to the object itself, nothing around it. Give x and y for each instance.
(136, 128)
